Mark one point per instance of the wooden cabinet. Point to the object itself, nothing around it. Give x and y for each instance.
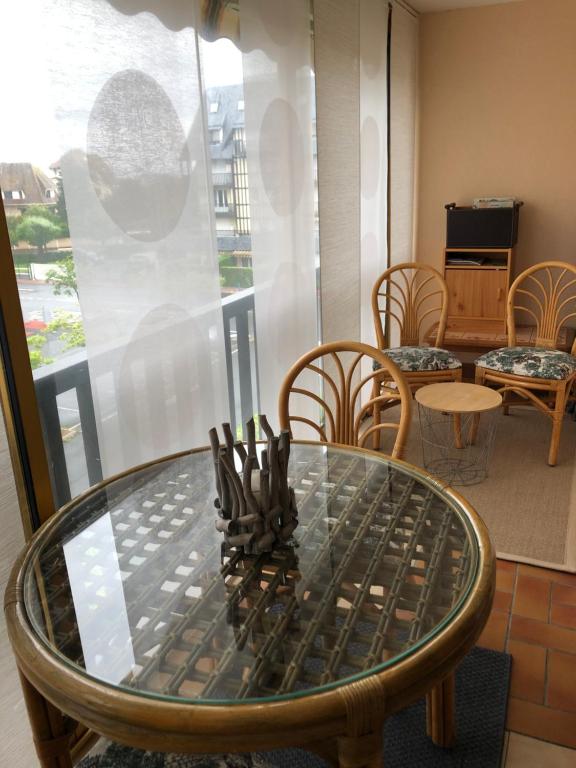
(478, 280)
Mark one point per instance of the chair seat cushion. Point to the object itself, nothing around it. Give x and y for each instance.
(421, 359)
(537, 362)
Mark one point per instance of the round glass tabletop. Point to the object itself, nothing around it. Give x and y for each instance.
(133, 587)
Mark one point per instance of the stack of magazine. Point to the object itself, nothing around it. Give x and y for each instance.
(467, 260)
(494, 202)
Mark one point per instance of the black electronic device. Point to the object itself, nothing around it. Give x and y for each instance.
(468, 227)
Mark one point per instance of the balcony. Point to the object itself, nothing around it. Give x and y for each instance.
(222, 180)
(64, 388)
(225, 210)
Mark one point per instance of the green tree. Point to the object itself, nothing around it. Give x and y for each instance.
(63, 277)
(61, 210)
(35, 346)
(69, 328)
(37, 210)
(36, 230)
(12, 222)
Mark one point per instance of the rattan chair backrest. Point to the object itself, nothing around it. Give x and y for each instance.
(409, 296)
(545, 294)
(342, 410)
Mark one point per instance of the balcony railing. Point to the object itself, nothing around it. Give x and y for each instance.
(75, 464)
(222, 179)
(227, 209)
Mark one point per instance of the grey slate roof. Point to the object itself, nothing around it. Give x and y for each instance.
(227, 117)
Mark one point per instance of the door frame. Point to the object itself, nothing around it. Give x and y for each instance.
(18, 400)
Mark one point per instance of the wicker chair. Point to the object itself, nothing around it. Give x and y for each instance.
(541, 375)
(345, 369)
(408, 298)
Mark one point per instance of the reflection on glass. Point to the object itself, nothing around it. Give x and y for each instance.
(95, 582)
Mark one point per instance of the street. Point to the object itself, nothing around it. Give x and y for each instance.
(39, 302)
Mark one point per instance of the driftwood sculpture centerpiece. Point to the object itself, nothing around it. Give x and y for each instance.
(256, 507)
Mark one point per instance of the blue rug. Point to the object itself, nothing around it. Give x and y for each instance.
(481, 700)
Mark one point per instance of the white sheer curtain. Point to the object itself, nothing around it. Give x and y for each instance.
(357, 131)
(129, 109)
(373, 154)
(403, 117)
(278, 92)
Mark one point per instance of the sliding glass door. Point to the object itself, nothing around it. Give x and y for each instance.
(165, 280)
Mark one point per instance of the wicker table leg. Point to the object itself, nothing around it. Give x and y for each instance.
(361, 751)
(327, 750)
(440, 723)
(474, 428)
(458, 430)
(49, 729)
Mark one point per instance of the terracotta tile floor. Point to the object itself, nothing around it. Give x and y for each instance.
(534, 619)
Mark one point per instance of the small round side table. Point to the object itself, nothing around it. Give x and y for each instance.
(456, 442)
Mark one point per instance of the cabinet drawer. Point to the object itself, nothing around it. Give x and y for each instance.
(479, 293)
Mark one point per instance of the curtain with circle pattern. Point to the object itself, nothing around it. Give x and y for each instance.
(373, 155)
(403, 132)
(275, 37)
(129, 117)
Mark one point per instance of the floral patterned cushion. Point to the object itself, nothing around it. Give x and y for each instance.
(530, 361)
(421, 359)
(119, 756)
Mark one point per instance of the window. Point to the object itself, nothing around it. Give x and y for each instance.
(239, 137)
(221, 199)
(215, 135)
(241, 105)
(50, 194)
(14, 194)
(214, 107)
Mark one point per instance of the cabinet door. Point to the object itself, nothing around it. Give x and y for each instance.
(477, 293)
(494, 293)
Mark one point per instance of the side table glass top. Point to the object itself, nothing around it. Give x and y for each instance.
(131, 586)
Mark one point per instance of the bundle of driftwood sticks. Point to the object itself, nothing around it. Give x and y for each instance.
(256, 507)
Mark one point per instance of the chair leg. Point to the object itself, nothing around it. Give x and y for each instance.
(505, 406)
(376, 414)
(557, 419)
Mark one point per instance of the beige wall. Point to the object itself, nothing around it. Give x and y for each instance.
(498, 117)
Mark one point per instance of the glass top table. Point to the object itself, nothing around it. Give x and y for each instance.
(131, 586)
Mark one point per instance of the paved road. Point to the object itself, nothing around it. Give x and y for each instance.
(39, 302)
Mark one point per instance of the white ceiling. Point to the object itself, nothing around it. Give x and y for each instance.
(427, 6)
